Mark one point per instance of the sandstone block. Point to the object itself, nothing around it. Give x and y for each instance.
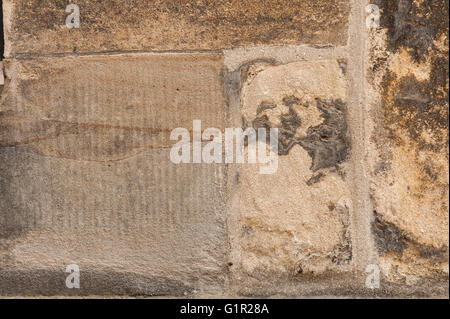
(408, 151)
(295, 223)
(86, 176)
(38, 27)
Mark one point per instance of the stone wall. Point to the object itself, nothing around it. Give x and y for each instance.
(357, 90)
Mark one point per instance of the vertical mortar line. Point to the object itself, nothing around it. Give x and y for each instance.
(362, 242)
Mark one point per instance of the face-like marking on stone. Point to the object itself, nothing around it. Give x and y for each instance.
(290, 208)
(326, 143)
(313, 117)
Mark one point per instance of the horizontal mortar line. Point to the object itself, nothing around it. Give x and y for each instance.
(300, 47)
(199, 51)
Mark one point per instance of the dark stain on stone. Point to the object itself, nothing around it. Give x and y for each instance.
(261, 122)
(416, 107)
(388, 237)
(377, 63)
(342, 253)
(247, 230)
(232, 81)
(291, 100)
(435, 255)
(286, 133)
(315, 179)
(409, 104)
(108, 282)
(414, 26)
(327, 143)
(432, 174)
(265, 106)
(209, 24)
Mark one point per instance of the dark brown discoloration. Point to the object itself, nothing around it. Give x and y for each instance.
(415, 107)
(315, 179)
(342, 253)
(411, 130)
(232, 81)
(410, 104)
(390, 238)
(327, 143)
(433, 254)
(109, 282)
(291, 100)
(38, 26)
(265, 106)
(286, 132)
(414, 24)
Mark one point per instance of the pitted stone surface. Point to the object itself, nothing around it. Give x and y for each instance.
(295, 221)
(408, 71)
(362, 180)
(86, 176)
(38, 26)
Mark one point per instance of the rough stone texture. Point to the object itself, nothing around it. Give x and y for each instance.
(108, 108)
(408, 151)
(86, 176)
(294, 222)
(362, 179)
(38, 26)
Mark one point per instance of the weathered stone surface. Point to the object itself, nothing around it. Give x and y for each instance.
(86, 176)
(362, 179)
(39, 26)
(108, 108)
(408, 151)
(295, 222)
